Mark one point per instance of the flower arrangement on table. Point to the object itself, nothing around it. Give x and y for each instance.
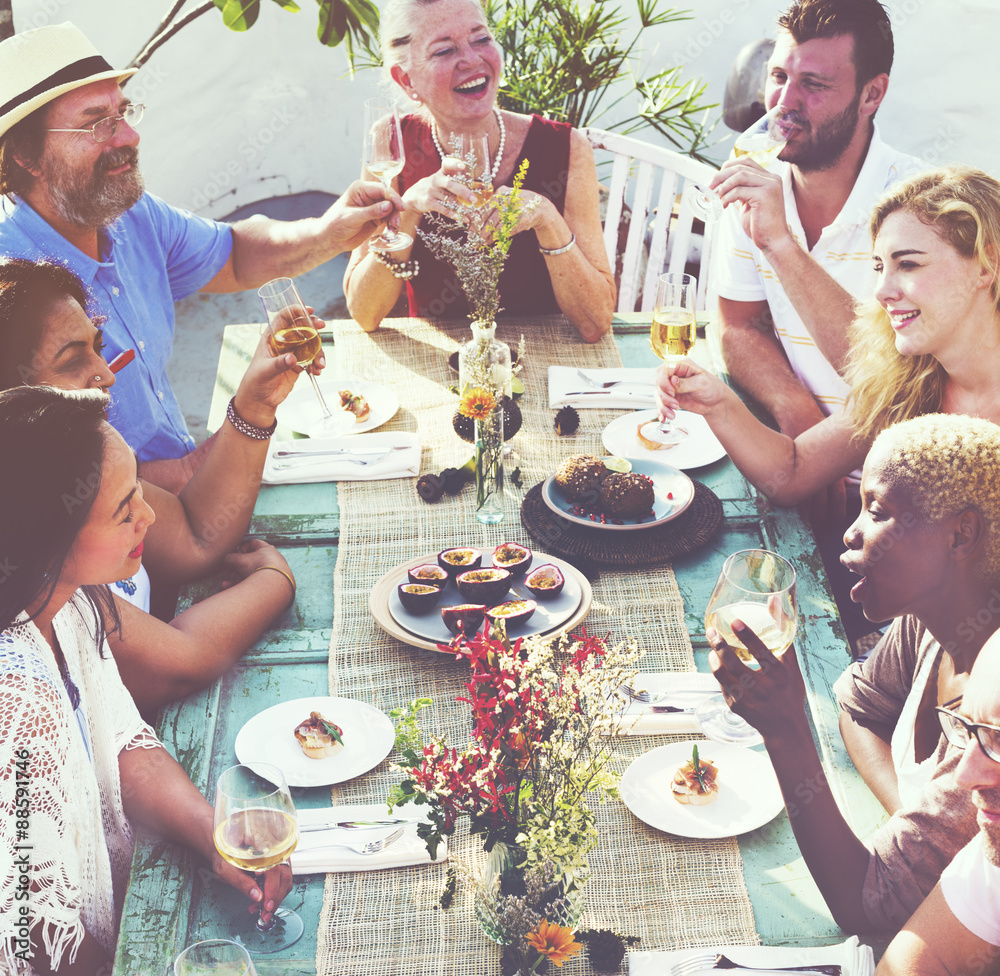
(542, 710)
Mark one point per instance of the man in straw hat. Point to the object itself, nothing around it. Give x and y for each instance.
(73, 193)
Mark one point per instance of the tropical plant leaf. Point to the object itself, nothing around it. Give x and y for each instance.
(239, 15)
(290, 5)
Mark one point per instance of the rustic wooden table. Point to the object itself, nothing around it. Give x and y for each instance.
(172, 903)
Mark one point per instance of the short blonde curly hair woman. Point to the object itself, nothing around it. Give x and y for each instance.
(963, 206)
(947, 464)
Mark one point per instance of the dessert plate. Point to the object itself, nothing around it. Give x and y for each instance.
(270, 737)
(301, 411)
(749, 795)
(673, 492)
(699, 448)
(552, 616)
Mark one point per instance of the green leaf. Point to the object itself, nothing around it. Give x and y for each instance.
(332, 731)
(239, 15)
(332, 22)
(290, 5)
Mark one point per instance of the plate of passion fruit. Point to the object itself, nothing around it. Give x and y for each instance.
(432, 599)
(617, 494)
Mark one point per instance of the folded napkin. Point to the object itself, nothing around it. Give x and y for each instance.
(640, 719)
(313, 855)
(568, 388)
(302, 470)
(854, 958)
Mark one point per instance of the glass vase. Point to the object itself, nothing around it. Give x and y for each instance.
(484, 363)
(489, 467)
(503, 892)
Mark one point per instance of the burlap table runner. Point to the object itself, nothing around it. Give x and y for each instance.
(668, 891)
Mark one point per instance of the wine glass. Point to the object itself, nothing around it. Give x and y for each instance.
(290, 329)
(473, 149)
(757, 587)
(219, 957)
(384, 159)
(672, 336)
(255, 828)
(761, 142)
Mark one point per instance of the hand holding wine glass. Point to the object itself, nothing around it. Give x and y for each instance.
(384, 157)
(761, 142)
(255, 829)
(291, 329)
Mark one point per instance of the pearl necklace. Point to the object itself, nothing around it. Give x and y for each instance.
(499, 156)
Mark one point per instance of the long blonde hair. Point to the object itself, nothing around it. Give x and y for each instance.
(962, 205)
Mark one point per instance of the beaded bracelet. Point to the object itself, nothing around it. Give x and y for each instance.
(551, 252)
(244, 427)
(283, 573)
(400, 269)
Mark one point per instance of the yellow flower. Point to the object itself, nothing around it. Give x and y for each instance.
(553, 941)
(477, 403)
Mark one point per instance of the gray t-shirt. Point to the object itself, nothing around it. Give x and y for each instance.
(911, 849)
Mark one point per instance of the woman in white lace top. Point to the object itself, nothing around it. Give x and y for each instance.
(47, 337)
(78, 765)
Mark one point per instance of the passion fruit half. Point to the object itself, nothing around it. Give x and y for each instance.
(546, 581)
(418, 597)
(465, 618)
(459, 560)
(514, 557)
(512, 612)
(430, 573)
(486, 586)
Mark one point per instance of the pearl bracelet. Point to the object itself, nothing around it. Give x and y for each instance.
(400, 269)
(244, 427)
(551, 252)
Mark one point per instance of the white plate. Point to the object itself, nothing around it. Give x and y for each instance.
(549, 613)
(673, 492)
(270, 737)
(300, 411)
(749, 795)
(699, 448)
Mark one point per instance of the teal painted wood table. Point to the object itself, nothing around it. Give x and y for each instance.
(172, 902)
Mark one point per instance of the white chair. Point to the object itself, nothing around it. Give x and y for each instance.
(639, 170)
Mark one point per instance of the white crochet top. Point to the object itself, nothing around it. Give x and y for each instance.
(75, 835)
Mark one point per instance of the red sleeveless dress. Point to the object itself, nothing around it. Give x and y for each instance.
(525, 287)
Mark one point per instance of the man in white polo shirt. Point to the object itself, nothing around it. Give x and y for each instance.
(794, 250)
(957, 928)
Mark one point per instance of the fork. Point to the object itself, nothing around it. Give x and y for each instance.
(338, 450)
(373, 846)
(715, 960)
(603, 386)
(296, 463)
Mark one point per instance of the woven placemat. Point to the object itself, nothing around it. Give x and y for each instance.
(668, 891)
(623, 550)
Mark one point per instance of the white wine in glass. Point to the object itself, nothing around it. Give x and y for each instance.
(290, 328)
(757, 587)
(672, 336)
(384, 158)
(218, 957)
(761, 142)
(255, 829)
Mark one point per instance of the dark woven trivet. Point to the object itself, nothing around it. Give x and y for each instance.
(622, 550)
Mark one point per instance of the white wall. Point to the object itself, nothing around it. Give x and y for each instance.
(235, 118)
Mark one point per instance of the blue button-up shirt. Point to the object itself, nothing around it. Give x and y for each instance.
(152, 256)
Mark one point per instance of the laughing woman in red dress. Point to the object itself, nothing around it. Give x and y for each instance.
(445, 62)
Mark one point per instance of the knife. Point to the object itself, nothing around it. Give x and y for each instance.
(624, 393)
(353, 825)
(340, 450)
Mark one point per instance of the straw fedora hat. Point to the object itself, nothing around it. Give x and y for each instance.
(37, 66)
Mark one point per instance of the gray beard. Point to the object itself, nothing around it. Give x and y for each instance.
(103, 199)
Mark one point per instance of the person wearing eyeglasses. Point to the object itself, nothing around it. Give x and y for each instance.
(925, 551)
(74, 194)
(957, 928)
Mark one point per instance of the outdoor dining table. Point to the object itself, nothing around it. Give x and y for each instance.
(173, 902)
